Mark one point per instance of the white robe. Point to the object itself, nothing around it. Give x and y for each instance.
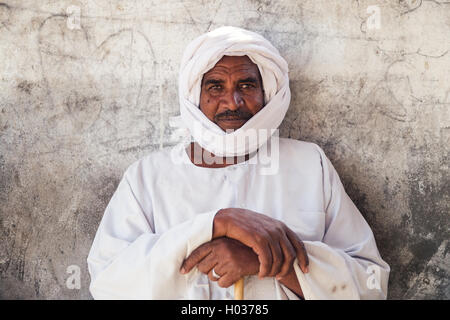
(162, 211)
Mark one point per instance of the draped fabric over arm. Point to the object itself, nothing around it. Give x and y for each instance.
(128, 260)
(346, 264)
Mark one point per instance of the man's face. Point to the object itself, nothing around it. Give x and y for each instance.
(232, 92)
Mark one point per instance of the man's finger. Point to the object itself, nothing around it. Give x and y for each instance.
(265, 259)
(277, 258)
(226, 281)
(260, 246)
(214, 274)
(195, 257)
(289, 254)
(207, 263)
(302, 255)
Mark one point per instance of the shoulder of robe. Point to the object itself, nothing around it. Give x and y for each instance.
(299, 149)
(148, 164)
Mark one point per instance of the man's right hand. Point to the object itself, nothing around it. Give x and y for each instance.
(276, 245)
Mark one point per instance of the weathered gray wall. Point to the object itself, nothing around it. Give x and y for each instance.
(77, 106)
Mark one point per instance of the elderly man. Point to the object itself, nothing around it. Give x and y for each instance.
(187, 222)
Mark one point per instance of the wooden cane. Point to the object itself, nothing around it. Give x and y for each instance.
(239, 289)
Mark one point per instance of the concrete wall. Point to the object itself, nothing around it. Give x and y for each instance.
(81, 99)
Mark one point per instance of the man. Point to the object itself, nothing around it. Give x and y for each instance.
(186, 223)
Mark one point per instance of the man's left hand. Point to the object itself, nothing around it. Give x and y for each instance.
(229, 258)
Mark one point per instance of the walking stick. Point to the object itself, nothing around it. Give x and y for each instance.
(239, 289)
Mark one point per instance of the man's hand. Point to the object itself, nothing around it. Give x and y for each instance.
(230, 259)
(275, 244)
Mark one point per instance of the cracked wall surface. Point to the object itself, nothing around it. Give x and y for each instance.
(83, 96)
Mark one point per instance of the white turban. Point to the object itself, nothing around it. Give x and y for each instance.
(200, 56)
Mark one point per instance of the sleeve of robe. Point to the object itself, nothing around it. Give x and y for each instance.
(346, 264)
(128, 260)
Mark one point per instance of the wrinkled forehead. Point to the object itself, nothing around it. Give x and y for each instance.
(241, 66)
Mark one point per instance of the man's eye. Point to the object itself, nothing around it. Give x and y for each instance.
(215, 87)
(247, 86)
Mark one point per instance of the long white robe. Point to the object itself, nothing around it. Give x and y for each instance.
(162, 211)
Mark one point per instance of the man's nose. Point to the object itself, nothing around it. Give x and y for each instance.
(233, 100)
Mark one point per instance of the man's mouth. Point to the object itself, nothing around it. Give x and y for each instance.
(231, 119)
(232, 122)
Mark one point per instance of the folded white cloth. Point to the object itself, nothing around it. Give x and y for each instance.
(200, 56)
